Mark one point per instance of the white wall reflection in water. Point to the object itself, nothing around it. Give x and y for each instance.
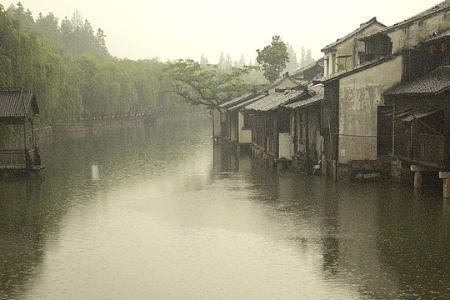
(95, 174)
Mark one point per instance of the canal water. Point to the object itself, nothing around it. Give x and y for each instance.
(160, 213)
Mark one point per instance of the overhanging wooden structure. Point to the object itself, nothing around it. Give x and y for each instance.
(18, 108)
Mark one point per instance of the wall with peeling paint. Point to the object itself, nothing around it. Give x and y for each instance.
(245, 135)
(350, 47)
(217, 128)
(409, 37)
(360, 96)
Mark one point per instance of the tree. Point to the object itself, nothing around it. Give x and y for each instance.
(205, 86)
(309, 59)
(221, 63)
(302, 57)
(242, 61)
(101, 43)
(228, 62)
(203, 60)
(48, 27)
(273, 58)
(63, 66)
(292, 65)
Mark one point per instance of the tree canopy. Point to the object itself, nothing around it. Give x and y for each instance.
(206, 85)
(273, 58)
(68, 66)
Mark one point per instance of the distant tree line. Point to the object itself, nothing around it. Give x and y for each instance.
(69, 67)
(293, 64)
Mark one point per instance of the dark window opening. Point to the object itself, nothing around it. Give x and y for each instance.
(284, 125)
(377, 47)
(247, 122)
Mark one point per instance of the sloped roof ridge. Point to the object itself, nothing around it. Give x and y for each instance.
(354, 32)
(445, 5)
(434, 82)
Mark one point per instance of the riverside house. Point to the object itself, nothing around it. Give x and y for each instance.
(270, 125)
(231, 124)
(226, 119)
(305, 131)
(359, 117)
(18, 108)
(339, 57)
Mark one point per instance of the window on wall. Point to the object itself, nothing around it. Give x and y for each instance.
(247, 122)
(333, 63)
(283, 124)
(223, 117)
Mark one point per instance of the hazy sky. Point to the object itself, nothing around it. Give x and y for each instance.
(171, 29)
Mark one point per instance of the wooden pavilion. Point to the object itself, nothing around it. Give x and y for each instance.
(18, 108)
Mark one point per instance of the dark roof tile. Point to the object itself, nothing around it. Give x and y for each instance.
(17, 104)
(316, 96)
(433, 83)
(274, 101)
(353, 33)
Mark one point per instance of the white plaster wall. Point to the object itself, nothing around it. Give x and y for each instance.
(411, 36)
(216, 122)
(284, 146)
(360, 95)
(292, 132)
(234, 130)
(350, 46)
(326, 63)
(245, 135)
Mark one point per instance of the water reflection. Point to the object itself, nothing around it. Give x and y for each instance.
(175, 218)
(95, 173)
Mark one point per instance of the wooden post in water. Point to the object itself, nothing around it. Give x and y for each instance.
(418, 176)
(445, 176)
(33, 135)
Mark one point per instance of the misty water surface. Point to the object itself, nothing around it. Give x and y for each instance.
(160, 213)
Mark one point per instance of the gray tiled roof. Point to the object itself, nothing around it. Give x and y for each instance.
(246, 103)
(236, 100)
(438, 37)
(274, 101)
(355, 69)
(301, 70)
(317, 95)
(17, 104)
(353, 33)
(445, 5)
(433, 83)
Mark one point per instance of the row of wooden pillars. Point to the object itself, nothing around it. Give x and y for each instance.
(418, 179)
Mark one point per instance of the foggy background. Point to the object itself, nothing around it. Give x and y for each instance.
(171, 29)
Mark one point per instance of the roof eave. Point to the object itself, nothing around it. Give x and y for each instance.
(332, 46)
(360, 69)
(400, 95)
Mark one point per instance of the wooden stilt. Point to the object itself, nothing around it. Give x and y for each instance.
(445, 176)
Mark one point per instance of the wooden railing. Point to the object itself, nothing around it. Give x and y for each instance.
(81, 118)
(19, 159)
(429, 148)
(425, 148)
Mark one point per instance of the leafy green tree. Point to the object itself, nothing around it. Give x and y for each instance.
(72, 82)
(205, 86)
(273, 58)
(101, 42)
